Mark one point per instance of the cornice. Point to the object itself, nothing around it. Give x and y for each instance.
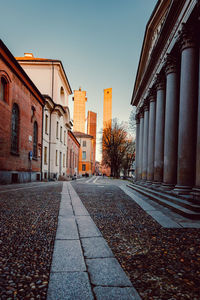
(12, 63)
(167, 29)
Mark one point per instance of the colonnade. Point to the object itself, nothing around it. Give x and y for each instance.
(168, 122)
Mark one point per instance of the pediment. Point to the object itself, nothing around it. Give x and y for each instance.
(152, 33)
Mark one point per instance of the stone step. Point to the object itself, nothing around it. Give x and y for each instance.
(171, 197)
(171, 193)
(167, 202)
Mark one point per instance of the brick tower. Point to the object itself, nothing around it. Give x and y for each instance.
(79, 110)
(91, 130)
(107, 107)
(107, 119)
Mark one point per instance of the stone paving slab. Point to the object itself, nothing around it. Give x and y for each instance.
(79, 209)
(107, 272)
(116, 293)
(96, 247)
(66, 210)
(67, 256)
(69, 286)
(86, 227)
(163, 220)
(67, 229)
(143, 204)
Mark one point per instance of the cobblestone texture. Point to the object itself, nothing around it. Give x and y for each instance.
(28, 221)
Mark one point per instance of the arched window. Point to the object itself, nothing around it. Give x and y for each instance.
(15, 129)
(35, 139)
(62, 95)
(3, 89)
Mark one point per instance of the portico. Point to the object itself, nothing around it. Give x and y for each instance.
(167, 97)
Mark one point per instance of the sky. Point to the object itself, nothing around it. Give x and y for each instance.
(98, 41)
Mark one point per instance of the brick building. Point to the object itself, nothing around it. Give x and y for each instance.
(72, 162)
(21, 109)
(86, 162)
(92, 130)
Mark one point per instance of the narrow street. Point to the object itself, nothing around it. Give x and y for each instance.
(161, 262)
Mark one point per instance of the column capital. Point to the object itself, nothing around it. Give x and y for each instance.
(170, 64)
(187, 37)
(137, 118)
(152, 94)
(146, 104)
(160, 81)
(141, 112)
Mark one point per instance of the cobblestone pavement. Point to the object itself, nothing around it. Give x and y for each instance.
(28, 222)
(162, 263)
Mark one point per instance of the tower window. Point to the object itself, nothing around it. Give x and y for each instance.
(35, 139)
(15, 129)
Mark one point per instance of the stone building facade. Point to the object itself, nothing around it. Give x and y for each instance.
(21, 109)
(50, 78)
(167, 99)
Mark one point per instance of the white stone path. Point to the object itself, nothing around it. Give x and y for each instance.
(83, 265)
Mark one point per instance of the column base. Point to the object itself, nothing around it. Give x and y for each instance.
(148, 183)
(196, 193)
(182, 190)
(156, 184)
(168, 186)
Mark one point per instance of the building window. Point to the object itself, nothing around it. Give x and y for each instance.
(67, 158)
(64, 137)
(56, 157)
(70, 160)
(63, 160)
(83, 155)
(45, 155)
(83, 167)
(15, 129)
(3, 89)
(84, 143)
(57, 129)
(46, 124)
(61, 133)
(35, 139)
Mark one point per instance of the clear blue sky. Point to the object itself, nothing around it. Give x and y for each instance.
(98, 41)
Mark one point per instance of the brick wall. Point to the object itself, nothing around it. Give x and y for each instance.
(20, 94)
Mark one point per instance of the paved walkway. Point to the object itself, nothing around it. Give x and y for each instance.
(83, 265)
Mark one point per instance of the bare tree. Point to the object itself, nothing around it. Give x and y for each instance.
(129, 156)
(115, 146)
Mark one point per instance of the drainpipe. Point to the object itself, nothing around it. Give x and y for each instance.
(49, 169)
(42, 142)
(52, 88)
(52, 81)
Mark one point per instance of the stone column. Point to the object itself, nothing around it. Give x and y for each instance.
(137, 118)
(145, 140)
(171, 124)
(141, 143)
(151, 140)
(159, 134)
(196, 190)
(187, 112)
